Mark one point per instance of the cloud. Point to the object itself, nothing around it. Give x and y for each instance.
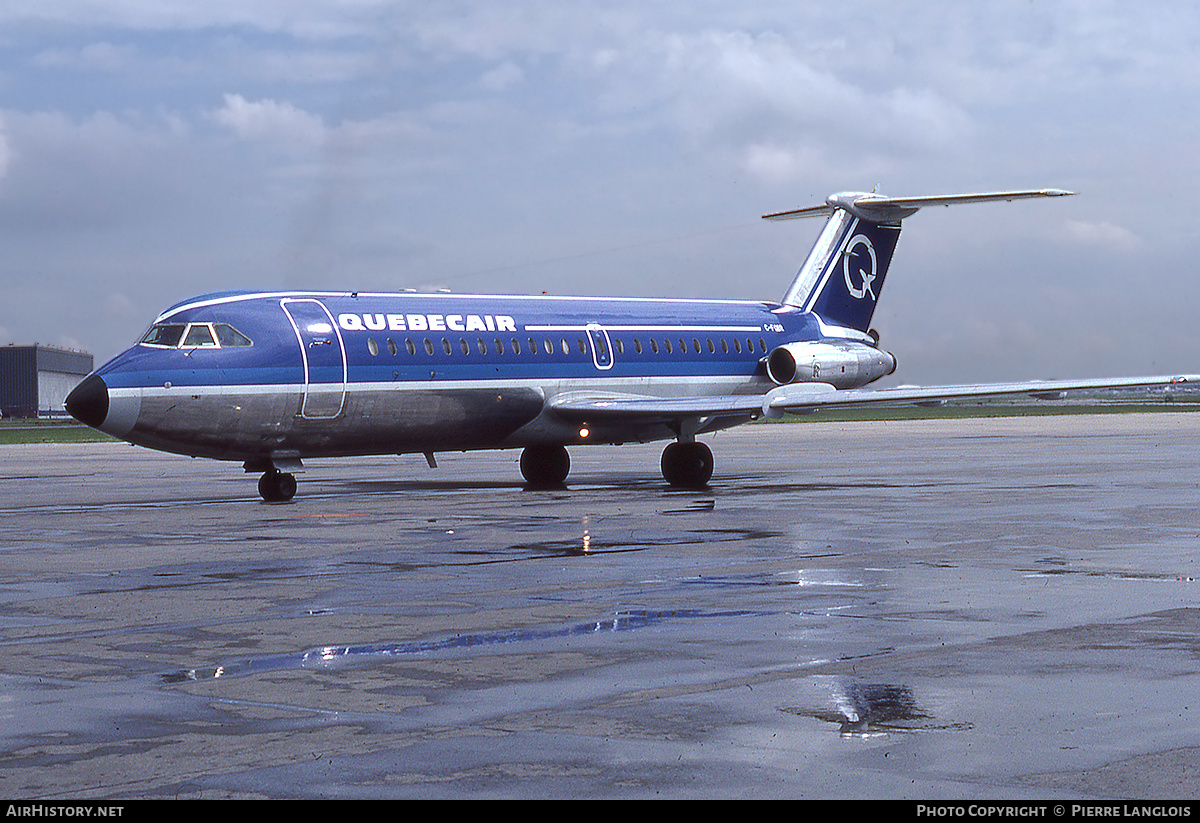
(77, 174)
(119, 306)
(101, 56)
(769, 102)
(504, 76)
(1102, 234)
(321, 20)
(279, 123)
(5, 151)
(773, 163)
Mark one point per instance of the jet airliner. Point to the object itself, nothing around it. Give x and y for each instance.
(269, 379)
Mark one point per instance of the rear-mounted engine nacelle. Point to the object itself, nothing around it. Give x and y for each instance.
(843, 364)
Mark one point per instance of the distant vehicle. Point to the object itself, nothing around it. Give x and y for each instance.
(271, 378)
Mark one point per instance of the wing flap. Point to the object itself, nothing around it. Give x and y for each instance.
(628, 407)
(785, 399)
(800, 398)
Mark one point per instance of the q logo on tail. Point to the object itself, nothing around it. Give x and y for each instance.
(854, 258)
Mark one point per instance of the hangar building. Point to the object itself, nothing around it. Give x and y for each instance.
(35, 380)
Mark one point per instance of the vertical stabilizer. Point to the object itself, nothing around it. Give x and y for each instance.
(842, 277)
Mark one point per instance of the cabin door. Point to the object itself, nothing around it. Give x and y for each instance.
(602, 353)
(323, 355)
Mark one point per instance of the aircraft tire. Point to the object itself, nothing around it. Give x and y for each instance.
(543, 466)
(687, 465)
(277, 487)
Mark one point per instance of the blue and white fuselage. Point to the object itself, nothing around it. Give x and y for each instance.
(272, 378)
(313, 373)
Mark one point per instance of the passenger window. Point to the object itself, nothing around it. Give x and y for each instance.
(392, 347)
(372, 346)
(548, 346)
(428, 346)
(653, 345)
(410, 345)
(481, 344)
(637, 345)
(464, 345)
(446, 346)
(199, 334)
(667, 345)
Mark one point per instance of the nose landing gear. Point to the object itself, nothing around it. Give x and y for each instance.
(276, 486)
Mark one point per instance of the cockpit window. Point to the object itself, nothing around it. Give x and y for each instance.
(164, 334)
(195, 335)
(199, 334)
(230, 337)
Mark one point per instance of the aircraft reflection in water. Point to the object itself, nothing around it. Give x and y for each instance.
(863, 710)
(270, 378)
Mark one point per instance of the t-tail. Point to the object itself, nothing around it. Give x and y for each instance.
(843, 276)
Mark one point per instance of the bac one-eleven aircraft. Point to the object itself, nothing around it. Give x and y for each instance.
(271, 378)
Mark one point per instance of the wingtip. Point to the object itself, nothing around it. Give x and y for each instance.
(792, 214)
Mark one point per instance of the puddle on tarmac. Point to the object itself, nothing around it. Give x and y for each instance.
(369, 652)
(866, 710)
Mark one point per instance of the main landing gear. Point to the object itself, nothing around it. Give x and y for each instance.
(685, 465)
(276, 486)
(545, 466)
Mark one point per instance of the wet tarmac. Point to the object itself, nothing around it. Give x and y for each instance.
(932, 609)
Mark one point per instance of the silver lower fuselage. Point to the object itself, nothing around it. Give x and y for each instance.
(250, 422)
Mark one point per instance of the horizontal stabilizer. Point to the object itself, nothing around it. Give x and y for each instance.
(879, 209)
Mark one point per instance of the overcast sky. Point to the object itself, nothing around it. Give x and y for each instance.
(153, 150)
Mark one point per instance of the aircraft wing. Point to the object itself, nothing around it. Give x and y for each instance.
(632, 407)
(800, 398)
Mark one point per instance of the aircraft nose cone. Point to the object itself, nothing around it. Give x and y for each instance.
(88, 402)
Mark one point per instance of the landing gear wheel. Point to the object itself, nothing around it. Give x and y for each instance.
(277, 487)
(687, 465)
(545, 466)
